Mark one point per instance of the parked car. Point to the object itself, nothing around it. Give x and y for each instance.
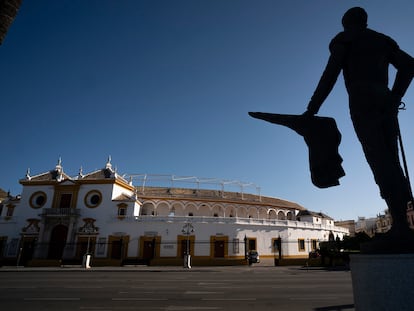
(253, 256)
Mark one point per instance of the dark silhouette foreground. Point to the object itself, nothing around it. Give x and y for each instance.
(364, 56)
(8, 12)
(322, 138)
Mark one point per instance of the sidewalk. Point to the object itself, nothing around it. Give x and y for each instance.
(266, 262)
(101, 269)
(263, 263)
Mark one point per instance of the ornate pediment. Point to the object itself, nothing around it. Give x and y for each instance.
(88, 227)
(32, 227)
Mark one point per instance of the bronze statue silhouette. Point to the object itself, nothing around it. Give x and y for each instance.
(364, 56)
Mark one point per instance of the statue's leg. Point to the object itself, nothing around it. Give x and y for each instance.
(378, 134)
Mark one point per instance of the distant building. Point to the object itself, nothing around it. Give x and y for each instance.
(3, 195)
(58, 219)
(380, 224)
(349, 224)
(316, 218)
(383, 222)
(367, 225)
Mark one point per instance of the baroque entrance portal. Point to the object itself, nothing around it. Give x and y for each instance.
(57, 242)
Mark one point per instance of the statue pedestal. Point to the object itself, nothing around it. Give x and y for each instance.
(383, 282)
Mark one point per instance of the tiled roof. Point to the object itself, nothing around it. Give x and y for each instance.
(99, 174)
(124, 197)
(49, 176)
(215, 195)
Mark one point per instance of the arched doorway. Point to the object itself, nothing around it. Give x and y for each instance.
(57, 242)
(28, 246)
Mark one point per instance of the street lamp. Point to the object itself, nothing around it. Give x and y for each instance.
(187, 230)
(89, 230)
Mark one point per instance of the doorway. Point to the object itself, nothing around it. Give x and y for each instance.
(57, 242)
(252, 244)
(218, 246)
(219, 249)
(149, 250)
(27, 250)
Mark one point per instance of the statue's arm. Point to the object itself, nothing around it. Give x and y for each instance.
(328, 79)
(404, 64)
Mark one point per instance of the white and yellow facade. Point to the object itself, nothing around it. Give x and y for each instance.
(58, 219)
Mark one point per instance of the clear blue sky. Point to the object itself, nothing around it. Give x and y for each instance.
(164, 87)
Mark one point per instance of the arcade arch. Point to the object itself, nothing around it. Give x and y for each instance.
(164, 210)
(262, 213)
(242, 212)
(252, 213)
(230, 211)
(179, 209)
(217, 211)
(191, 210)
(272, 214)
(281, 215)
(147, 209)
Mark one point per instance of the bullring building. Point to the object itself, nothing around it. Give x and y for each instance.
(151, 219)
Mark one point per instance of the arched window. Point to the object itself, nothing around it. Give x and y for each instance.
(122, 210)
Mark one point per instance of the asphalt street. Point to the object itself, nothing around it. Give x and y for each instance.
(208, 288)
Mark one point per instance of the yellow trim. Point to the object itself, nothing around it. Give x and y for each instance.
(299, 246)
(79, 182)
(32, 198)
(125, 185)
(143, 239)
(122, 206)
(248, 243)
(90, 193)
(295, 257)
(105, 182)
(124, 250)
(60, 190)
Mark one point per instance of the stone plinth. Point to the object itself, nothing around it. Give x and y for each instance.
(383, 282)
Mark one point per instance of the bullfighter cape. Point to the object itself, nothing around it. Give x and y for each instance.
(322, 138)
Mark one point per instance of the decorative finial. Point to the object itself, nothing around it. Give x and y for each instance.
(59, 165)
(108, 163)
(80, 174)
(28, 177)
(59, 170)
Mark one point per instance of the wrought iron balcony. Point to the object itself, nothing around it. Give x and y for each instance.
(60, 212)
